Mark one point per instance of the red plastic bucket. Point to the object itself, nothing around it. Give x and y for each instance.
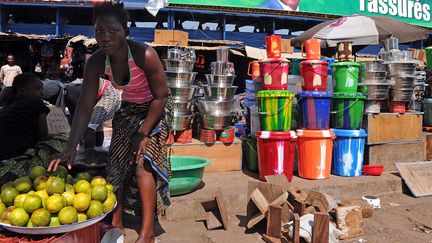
(315, 149)
(397, 107)
(274, 73)
(207, 136)
(276, 153)
(184, 136)
(313, 75)
(227, 135)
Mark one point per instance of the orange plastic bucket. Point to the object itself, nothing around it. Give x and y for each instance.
(315, 149)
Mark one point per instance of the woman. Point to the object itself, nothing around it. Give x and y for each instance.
(24, 141)
(140, 127)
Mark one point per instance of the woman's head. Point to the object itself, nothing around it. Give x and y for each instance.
(27, 85)
(110, 23)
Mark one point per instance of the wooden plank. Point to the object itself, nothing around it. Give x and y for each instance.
(296, 229)
(299, 207)
(350, 221)
(280, 200)
(278, 180)
(274, 221)
(389, 154)
(320, 229)
(366, 208)
(270, 239)
(255, 220)
(222, 157)
(286, 213)
(222, 209)
(260, 201)
(212, 220)
(318, 200)
(428, 145)
(381, 128)
(270, 192)
(418, 177)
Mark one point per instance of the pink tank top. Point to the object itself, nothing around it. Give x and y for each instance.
(137, 89)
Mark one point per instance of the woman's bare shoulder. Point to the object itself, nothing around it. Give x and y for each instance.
(142, 52)
(97, 60)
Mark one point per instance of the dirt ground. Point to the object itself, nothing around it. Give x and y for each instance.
(402, 218)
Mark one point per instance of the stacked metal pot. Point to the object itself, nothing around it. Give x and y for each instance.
(402, 77)
(179, 65)
(217, 106)
(374, 84)
(419, 90)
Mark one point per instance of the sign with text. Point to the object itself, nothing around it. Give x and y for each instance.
(417, 12)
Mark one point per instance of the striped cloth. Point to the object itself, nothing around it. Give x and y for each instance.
(137, 89)
(121, 173)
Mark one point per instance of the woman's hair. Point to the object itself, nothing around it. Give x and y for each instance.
(111, 9)
(20, 82)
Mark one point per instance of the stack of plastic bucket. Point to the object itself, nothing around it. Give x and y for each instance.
(346, 120)
(315, 143)
(275, 141)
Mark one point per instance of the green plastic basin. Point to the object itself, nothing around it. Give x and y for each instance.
(187, 172)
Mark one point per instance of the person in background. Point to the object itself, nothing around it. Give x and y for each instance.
(290, 5)
(139, 165)
(9, 71)
(23, 123)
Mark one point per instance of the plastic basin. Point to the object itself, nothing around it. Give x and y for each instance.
(187, 172)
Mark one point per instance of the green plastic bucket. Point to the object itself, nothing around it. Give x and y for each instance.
(427, 108)
(252, 154)
(429, 56)
(347, 110)
(274, 109)
(345, 76)
(295, 66)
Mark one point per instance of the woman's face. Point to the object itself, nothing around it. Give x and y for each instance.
(109, 33)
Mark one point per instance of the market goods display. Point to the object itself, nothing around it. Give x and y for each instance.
(42, 202)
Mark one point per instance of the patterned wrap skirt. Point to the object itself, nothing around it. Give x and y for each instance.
(121, 172)
(41, 154)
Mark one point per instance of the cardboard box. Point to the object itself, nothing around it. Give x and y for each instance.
(171, 37)
(286, 46)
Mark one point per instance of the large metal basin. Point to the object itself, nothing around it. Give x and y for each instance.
(374, 66)
(179, 66)
(401, 94)
(180, 79)
(215, 122)
(181, 122)
(377, 91)
(220, 93)
(220, 80)
(216, 108)
(404, 82)
(401, 69)
(182, 108)
(183, 92)
(374, 77)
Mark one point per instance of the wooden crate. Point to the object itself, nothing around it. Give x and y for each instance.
(222, 157)
(389, 154)
(393, 127)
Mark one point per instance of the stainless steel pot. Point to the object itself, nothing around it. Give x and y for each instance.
(374, 66)
(179, 66)
(403, 82)
(374, 77)
(215, 122)
(216, 108)
(401, 69)
(182, 108)
(220, 93)
(184, 93)
(401, 94)
(180, 79)
(181, 122)
(222, 54)
(222, 68)
(220, 80)
(377, 91)
(175, 53)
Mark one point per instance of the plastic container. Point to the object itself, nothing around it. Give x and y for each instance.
(314, 110)
(313, 49)
(348, 152)
(250, 85)
(313, 75)
(295, 66)
(347, 110)
(374, 170)
(254, 70)
(273, 45)
(252, 153)
(187, 172)
(429, 56)
(255, 123)
(315, 153)
(274, 73)
(397, 106)
(227, 135)
(207, 136)
(345, 76)
(330, 61)
(276, 153)
(274, 108)
(184, 136)
(427, 108)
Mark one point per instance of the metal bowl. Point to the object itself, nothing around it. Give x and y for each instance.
(183, 92)
(402, 82)
(220, 80)
(401, 69)
(179, 66)
(374, 66)
(374, 77)
(216, 107)
(180, 79)
(182, 108)
(377, 91)
(215, 122)
(220, 93)
(222, 68)
(401, 94)
(181, 122)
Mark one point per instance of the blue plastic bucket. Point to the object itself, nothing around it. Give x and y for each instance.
(330, 62)
(348, 152)
(314, 110)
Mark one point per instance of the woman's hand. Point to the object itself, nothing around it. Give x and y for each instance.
(140, 148)
(68, 156)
